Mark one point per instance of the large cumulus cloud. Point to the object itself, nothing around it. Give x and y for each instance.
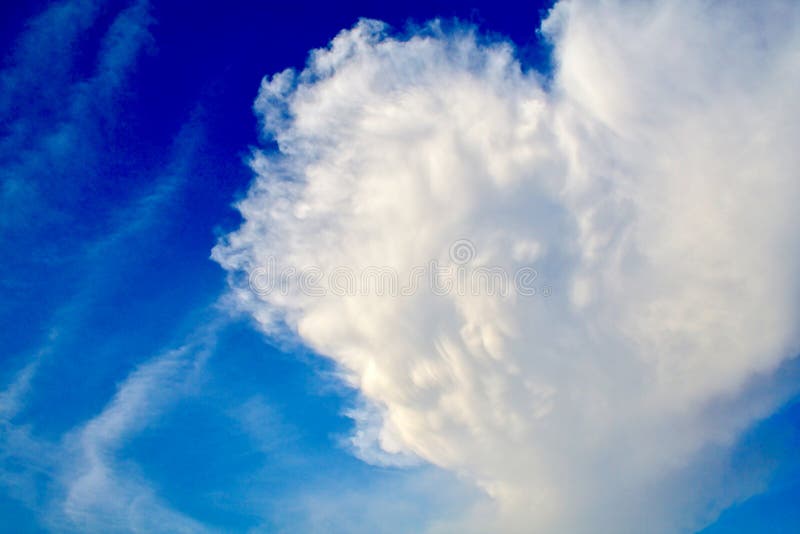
(651, 182)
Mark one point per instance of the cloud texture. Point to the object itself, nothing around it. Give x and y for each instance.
(651, 181)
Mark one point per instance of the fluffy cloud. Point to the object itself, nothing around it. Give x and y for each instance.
(651, 182)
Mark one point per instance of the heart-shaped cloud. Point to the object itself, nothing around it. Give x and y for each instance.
(564, 288)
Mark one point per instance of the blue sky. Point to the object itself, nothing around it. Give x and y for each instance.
(133, 396)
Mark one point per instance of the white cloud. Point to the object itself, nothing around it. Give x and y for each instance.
(654, 185)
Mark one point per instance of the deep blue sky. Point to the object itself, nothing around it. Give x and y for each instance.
(119, 168)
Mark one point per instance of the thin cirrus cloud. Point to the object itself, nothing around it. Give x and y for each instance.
(100, 494)
(654, 176)
(53, 122)
(59, 120)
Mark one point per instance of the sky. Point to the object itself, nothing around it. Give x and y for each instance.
(630, 168)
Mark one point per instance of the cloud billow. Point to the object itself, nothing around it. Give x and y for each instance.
(652, 184)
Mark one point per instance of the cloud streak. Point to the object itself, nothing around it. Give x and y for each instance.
(57, 120)
(101, 495)
(655, 180)
(89, 485)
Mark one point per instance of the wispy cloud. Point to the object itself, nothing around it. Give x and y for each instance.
(56, 118)
(101, 494)
(23, 457)
(55, 121)
(89, 488)
(52, 116)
